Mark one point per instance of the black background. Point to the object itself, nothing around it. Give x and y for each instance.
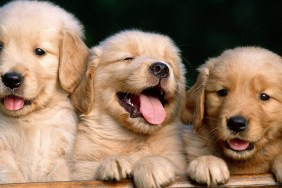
(200, 28)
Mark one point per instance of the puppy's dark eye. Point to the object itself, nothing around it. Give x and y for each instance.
(128, 59)
(222, 92)
(1, 46)
(39, 51)
(264, 97)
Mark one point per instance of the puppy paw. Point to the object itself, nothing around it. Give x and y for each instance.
(114, 169)
(155, 171)
(209, 170)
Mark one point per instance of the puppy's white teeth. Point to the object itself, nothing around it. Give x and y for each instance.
(128, 101)
(162, 92)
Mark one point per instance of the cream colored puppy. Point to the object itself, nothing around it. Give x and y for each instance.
(42, 60)
(236, 108)
(136, 83)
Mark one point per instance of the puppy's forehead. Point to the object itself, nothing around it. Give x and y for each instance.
(244, 67)
(30, 15)
(135, 43)
(249, 60)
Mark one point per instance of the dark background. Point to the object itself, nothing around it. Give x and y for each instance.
(200, 28)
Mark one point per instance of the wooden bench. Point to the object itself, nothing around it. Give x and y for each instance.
(262, 180)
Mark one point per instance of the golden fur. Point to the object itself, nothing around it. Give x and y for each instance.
(42, 43)
(110, 144)
(242, 82)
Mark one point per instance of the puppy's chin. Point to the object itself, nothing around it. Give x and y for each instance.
(238, 149)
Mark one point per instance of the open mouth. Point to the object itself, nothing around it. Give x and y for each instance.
(149, 104)
(13, 102)
(239, 145)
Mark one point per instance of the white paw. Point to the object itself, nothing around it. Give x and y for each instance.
(114, 169)
(155, 171)
(209, 170)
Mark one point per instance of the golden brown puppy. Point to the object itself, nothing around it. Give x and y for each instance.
(42, 60)
(136, 83)
(236, 108)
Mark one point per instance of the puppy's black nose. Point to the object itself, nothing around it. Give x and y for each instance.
(160, 70)
(12, 80)
(237, 123)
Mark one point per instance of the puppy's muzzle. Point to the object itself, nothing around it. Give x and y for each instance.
(237, 123)
(159, 69)
(12, 80)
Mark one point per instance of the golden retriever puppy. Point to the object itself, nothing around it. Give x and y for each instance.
(135, 81)
(42, 60)
(236, 108)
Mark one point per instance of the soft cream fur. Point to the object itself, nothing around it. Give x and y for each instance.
(36, 140)
(245, 73)
(110, 144)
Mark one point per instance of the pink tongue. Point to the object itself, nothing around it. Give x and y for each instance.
(238, 144)
(13, 103)
(152, 109)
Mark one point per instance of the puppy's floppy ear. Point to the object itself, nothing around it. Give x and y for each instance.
(82, 97)
(73, 61)
(195, 100)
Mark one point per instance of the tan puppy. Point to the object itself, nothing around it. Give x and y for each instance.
(41, 61)
(132, 130)
(236, 108)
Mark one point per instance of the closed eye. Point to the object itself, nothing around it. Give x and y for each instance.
(128, 59)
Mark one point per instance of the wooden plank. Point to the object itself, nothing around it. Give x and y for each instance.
(235, 181)
(78, 184)
(262, 180)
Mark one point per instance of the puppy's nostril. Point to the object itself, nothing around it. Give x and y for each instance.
(160, 70)
(237, 123)
(12, 80)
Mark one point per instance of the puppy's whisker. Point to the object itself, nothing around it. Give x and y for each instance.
(213, 134)
(211, 119)
(132, 90)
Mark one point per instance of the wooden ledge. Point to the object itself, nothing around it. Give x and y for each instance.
(262, 180)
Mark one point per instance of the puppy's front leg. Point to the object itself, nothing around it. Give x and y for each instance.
(9, 170)
(114, 168)
(153, 171)
(277, 168)
(60, 172)
(209, 170)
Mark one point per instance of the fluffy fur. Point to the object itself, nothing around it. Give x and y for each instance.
(114, 143)
(40, 47)
(236, 108)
